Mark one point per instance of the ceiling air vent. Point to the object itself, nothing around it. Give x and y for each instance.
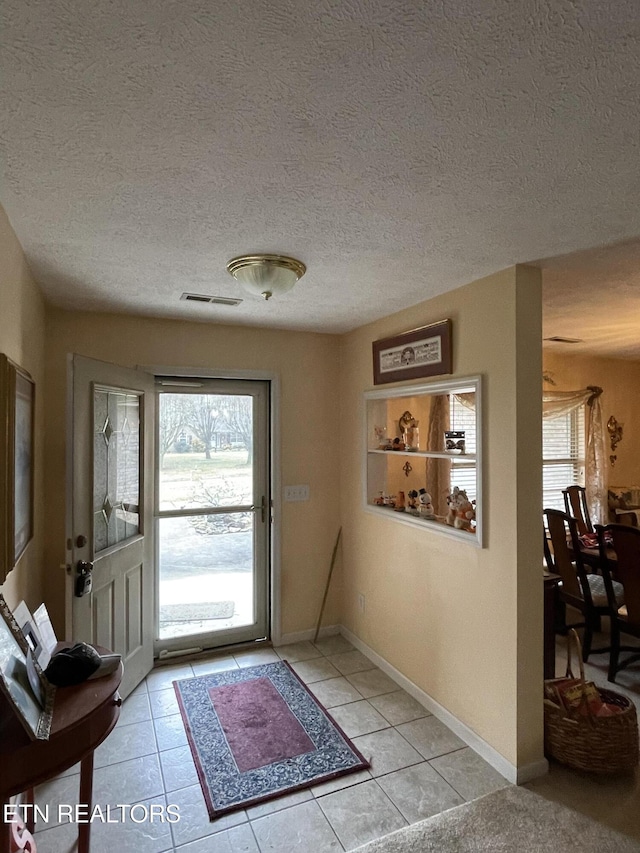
(213, 300)
(558, 339)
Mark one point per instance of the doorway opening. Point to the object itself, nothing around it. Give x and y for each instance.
(212, 512)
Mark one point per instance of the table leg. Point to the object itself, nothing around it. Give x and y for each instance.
(5, 832)
(86, 799)
(29, 797)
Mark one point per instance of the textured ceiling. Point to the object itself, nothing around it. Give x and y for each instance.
(400, 148)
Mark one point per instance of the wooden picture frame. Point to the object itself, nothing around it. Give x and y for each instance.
(25, 693)
(17, 411)
(412, 355)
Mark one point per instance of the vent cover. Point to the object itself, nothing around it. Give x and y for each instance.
(213, 300)
(558, 339)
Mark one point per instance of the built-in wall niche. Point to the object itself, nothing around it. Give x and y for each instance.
(423, 456)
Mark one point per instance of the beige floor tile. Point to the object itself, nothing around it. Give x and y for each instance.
(163, 703)
(335, 691)
(372, 682)
(279, 803)
(387, 751)
(239, 839)
(333, 645)
(318, 669)
(399, 707)
(360, 814)
(194, 818)
(162, 677)
(178, 769)
(469, 774)
(430, 737)
(218, 664)
(125, 743)
(346, 781)
(135, 709)
(419, 792)
(128, 782)
(256, 657)
(297, 651)
(170, 732)
(300, 829)
(358, 718)
(349, 662)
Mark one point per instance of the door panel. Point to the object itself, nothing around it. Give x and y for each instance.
(112, 468)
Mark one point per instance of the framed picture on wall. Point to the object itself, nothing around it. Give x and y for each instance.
(17, 401)
(412, 355)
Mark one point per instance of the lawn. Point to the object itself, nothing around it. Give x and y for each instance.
(191, 480)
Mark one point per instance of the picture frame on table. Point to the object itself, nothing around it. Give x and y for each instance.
(17, 409)
(413, 355)
(24, 690)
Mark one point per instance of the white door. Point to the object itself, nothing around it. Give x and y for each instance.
(112, 468)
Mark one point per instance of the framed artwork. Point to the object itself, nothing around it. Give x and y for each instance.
(413, 355)
(23, 688)
(17, 401)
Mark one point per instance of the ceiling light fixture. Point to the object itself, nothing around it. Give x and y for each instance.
(266, 275)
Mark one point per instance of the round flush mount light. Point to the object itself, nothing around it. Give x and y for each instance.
(266, 275)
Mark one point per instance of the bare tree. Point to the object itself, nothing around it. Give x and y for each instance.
(202, 416)
(171, 422)
(238, 412)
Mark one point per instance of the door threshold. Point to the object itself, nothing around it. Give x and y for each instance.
(196, 654)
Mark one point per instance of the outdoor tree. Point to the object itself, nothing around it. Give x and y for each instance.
(202, 417)
(171, 422)
(239, 416)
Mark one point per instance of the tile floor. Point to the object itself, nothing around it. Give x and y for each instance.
(418, 767)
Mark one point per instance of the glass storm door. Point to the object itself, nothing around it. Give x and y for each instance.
(112, 466)
(212, 512)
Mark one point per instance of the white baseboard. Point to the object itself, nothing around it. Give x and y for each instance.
(510, 772)
(301, 636)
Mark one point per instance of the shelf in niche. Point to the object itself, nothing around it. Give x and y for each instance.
(437, 525)
(426, 454)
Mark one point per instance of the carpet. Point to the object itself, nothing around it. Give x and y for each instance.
(511, 820)
(258, 733)
(196, 612)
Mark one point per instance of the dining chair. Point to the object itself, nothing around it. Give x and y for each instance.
(575, 504)
(624, 570)
(578, 588)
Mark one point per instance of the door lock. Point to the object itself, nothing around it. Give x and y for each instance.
(84, 579)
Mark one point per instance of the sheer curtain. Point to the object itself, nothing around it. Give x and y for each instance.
(556, 403)
(438, 471)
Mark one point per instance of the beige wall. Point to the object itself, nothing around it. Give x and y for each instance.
(22, 321)
(462, 623)
(307, 366)
(620, 383)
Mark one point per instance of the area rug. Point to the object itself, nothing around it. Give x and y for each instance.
(512, 820)
(197, 612)
(258, 733)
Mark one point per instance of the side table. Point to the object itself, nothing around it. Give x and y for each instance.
(83, 716)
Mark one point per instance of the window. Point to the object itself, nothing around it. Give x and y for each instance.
(562, 456)
(463, 471)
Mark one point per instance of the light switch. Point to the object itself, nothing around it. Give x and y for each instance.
(296, 493)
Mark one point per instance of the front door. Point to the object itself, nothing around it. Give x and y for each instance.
(212, 512)
(112, 470)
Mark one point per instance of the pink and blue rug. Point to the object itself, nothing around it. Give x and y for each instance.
(258, 733)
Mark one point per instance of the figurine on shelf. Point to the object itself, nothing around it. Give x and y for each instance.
(400, 502)
(397, 444)
(412, 502)
(425, 506)
(409, 428)
(380, 433)
(461, 510)
(379, 500)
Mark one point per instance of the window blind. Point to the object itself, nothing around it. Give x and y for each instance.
(563, 452)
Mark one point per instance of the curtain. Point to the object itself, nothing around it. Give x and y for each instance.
(438, 471)
(556, 403)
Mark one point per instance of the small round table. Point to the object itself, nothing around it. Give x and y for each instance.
(83, 716)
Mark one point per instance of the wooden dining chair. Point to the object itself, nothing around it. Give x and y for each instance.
(581, 590)
(575, 504)
(624, 570)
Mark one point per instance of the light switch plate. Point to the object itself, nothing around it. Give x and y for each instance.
(296, 493)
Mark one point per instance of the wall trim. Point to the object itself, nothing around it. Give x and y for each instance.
(491, 755)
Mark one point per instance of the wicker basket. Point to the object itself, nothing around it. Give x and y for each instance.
(586, 742)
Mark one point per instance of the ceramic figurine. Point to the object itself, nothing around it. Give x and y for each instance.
(425, 506)
(398, 444)
(412, 502)
(461, 511)
(400, 502)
